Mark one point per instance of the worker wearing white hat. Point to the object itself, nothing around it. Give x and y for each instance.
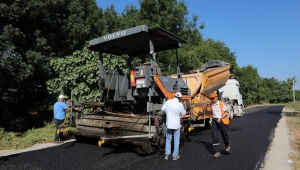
(59, 116)
(173, 109)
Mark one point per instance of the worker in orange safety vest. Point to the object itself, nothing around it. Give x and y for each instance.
(219, 124)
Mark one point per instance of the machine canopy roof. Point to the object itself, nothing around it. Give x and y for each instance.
(136, 41)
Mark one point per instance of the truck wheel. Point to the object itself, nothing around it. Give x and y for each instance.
(231, 114)
(241, 114)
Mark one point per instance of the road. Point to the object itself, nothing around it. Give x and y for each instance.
(250, 137)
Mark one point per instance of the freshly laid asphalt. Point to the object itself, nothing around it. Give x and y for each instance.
(250, 137)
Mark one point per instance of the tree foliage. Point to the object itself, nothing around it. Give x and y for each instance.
(43, 50)
(32, 32)
(77, 73)
(257, 90)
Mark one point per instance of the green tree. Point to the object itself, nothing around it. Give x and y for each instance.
(31, 33)
(79, 73)
(297, 95)
(167, 14)
(172, 16)
(111, 18)
(209, 50)
(272, 90)
(130, 17)
(285, 92)
(251, 85)
(34, 31)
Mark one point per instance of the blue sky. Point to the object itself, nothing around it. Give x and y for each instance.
(263, 33)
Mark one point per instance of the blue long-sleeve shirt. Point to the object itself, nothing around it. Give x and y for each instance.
(60, 110)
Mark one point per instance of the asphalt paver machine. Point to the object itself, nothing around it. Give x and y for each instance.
(130, 106)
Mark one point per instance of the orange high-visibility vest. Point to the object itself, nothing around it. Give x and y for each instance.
(226, 119)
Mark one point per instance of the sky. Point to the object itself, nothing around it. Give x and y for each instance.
(262, 33)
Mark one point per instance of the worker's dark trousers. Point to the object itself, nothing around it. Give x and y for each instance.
(60, 135)
(215, 129)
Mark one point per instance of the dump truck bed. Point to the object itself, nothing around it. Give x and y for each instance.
(208, 81)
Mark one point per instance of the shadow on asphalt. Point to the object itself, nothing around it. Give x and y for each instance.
(207, 145)
(6, 158)
(71, 144)
(120, 148)
(116, 148)
(236, 128)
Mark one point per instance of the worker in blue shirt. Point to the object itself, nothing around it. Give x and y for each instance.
(59, 116)
(173, 108)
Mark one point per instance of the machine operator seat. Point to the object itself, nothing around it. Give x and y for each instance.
(158, 71)
(120, 72)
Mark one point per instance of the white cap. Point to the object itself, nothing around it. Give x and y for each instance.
(61, 96)
(178, 94)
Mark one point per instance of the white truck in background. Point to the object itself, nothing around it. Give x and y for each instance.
(231, 96)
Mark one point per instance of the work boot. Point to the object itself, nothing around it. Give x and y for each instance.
(218, 154)
(167, 157)
(228, 148)
(176, 158)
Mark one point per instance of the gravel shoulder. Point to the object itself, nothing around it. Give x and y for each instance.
(279, 149)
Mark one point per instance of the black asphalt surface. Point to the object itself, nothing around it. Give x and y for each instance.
(250, 137)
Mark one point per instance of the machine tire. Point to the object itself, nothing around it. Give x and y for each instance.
(231, 114)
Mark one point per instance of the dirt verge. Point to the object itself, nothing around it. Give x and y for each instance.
(277, 156)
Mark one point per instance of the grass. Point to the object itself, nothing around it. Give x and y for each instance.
(295, 106)
(293, 120)
(11, 140)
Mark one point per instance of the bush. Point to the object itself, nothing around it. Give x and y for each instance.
(6, 139)
(11, 140)
(292, 105)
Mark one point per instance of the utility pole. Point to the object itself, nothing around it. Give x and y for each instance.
(294, 90)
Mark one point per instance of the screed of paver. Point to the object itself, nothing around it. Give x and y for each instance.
(279, 150)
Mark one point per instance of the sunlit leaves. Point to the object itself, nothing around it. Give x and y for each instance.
(79, 73)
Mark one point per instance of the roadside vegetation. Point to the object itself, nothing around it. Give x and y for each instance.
(293, 120)
(12, 140)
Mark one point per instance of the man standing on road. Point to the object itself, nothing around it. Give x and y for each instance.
(59, 116)
(220, 123)
(173, 109)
